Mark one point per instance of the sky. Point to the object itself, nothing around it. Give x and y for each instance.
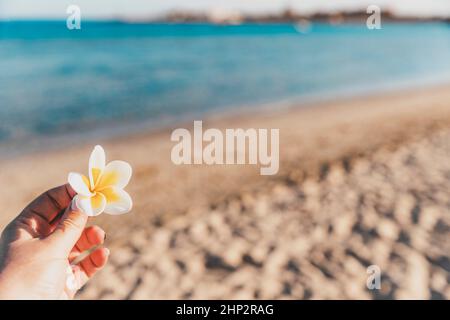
(105, 9)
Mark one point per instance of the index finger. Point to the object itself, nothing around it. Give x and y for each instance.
(49, 204)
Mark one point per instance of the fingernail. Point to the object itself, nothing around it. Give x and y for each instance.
(74, 206)
(107, 252)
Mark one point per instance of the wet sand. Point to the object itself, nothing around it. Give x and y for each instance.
(362, 181)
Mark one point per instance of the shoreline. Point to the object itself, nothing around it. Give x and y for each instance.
(310, 137)
(113, 130)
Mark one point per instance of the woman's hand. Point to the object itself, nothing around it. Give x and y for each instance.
(38, 249)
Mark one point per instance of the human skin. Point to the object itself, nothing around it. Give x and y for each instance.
(38, 247)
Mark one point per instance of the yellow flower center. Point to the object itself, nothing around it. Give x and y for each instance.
(103, 183)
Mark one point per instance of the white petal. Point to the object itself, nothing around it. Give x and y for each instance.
(96, 161)
(116, 174)
(78, 184)
(121, 205)
(85, 205)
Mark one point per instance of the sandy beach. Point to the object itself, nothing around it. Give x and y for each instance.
(362, 181)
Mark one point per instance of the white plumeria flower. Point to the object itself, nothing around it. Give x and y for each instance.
(103, 191)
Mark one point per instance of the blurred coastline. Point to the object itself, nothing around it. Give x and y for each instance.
(289, 15)
(61, 86)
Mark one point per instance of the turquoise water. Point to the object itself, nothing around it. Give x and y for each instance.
(55, 82)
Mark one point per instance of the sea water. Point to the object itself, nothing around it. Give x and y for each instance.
(56, 82)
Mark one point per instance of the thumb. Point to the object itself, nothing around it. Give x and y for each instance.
(70, 227)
